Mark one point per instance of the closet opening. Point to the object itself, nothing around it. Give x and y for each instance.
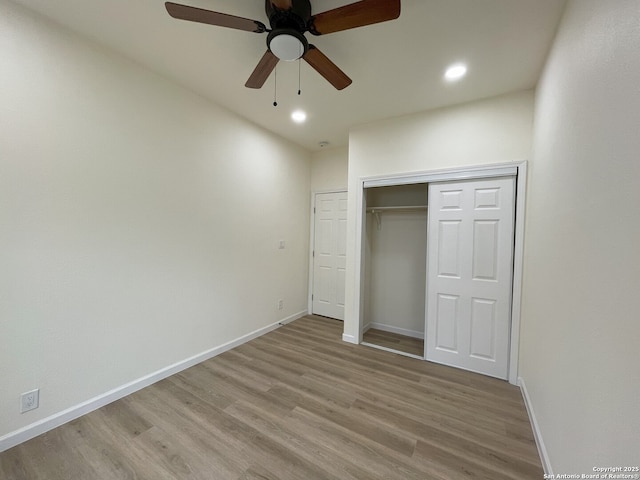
(395, 259)
(471, 235)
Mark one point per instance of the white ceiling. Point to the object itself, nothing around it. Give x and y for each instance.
(396, 66)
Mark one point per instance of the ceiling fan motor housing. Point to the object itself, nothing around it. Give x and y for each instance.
(286, 39)
(297, 17)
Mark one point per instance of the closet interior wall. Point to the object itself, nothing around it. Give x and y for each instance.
(396, 246)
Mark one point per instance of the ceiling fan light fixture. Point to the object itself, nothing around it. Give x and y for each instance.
(287, 45)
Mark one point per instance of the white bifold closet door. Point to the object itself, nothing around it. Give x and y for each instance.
(329, 254)
(470, 274)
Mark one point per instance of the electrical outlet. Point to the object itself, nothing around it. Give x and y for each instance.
(280, 304)
(29, 400)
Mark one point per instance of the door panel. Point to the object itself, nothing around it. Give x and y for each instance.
(469, 278)
(449, 249)
(483, 326)
(330, 249)
(447, 323)
(485, 255)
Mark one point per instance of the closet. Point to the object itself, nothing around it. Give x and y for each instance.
(438, 271)
(396, 246)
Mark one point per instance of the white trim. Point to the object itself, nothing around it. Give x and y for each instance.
(391, 350)
(360, 245)
(312, 234)
(517, 168)
(349, 339)
(448, 174)
(329, 190)
(518, 260)
(30, 431)
(394, 329)
(537, 434)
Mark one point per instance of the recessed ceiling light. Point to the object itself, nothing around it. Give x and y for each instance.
(455, 72)
(298, 116)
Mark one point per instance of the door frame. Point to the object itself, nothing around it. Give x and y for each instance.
(312, 239)
(517, 169)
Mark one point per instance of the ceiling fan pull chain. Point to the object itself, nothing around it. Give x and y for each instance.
(299, 61)
(275, 87)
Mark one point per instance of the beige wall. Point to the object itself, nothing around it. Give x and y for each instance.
(580, 327)
(396, 272)
(139, 224)
(329, 169)
(396, 251)
(496, 130)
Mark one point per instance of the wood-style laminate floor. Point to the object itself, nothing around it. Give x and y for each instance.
(395, 341)
(296, 404)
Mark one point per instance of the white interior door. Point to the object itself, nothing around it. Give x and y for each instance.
(329, 254)
(470, 274)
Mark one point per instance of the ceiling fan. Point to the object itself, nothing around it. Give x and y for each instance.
(289, 20)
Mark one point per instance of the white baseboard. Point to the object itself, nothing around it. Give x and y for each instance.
(394, 329)
(391, 350)
(537, 434)
(349, 338)
(30, 431)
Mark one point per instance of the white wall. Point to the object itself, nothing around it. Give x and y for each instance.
(139, 224)
(580, 315)
(495, 130)
(329, 169)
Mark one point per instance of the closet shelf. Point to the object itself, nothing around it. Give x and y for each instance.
(408, 208)
(376, 211)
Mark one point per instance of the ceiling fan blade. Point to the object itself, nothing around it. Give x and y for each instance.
(326, 68)
(359, 14)
(282, 4)
(193, 14)
(262, 71)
